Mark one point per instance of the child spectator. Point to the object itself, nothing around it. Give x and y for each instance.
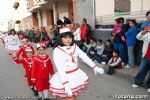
(107, 53)
(114, 62)
(117, 27)
(88, 46)
(99, 49)
(131, 42)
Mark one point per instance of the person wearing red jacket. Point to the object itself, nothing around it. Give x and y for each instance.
(42, 68)
(23, 47)
(27, 64)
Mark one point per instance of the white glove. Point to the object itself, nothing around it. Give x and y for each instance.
(68, 90)
(98, 70)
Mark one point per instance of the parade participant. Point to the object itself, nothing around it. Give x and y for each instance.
(27, 64)
(70, 79)
(13, 42)
(3, 37)
(26, 44)
(114, 62)
(41, 69)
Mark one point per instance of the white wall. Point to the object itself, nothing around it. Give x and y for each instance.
(62, 8)
(104, 7)
(136, 5)
(22, 10)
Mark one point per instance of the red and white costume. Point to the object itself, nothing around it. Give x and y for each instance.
(41, 70)
(66, 61)
(27, 64)
(22, 51)
(13, 43)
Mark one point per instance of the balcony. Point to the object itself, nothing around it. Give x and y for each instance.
(33, 5)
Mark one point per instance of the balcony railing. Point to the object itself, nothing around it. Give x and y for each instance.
(36, 4)
(110, 19)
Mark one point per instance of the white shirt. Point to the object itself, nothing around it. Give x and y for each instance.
(146, 39)
(64, 62)
(77, 34)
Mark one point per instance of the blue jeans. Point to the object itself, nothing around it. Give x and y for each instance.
(144, 69)
(100, 59)
(122, 52)
(131, 55)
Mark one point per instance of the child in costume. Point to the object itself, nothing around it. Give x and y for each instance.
(42, 68)
(25, 45)
(13, 42)
(27, 64)
(70, 79)
(114, 62)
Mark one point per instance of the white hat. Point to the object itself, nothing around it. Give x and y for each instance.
(40, 45)
(24, 40)
(28, 49)
(64, 30)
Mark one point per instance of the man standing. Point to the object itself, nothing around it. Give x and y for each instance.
(144, 35)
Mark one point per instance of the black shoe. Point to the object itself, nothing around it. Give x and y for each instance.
(34, 91)
(25, 75)
(39, 98)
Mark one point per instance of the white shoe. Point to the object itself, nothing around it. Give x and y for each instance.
(135, 86)
(127, 66)
(148, 90)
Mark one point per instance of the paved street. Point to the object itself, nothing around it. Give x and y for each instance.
(101, 87)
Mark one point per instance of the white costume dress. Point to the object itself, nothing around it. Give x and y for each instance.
(13, 43)
(66, 61)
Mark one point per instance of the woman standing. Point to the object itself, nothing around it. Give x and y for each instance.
(13, 42)
(131, 41)
(77, 34)
(70, 79)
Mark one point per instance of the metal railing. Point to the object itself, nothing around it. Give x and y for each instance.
(110, 19)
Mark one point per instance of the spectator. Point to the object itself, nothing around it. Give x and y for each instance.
(59, 22)
(119, 44)
(77, 34)
(85, 31)
(44, 35)
(38, 35)
(107, 54)
(66, 21)
(144, 35)
(130, 42)
(117, 27)
(99, 49)
(114, 62)
(88, 46)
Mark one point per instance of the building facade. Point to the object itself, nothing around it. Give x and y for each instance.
(22, 16)
(46, 12)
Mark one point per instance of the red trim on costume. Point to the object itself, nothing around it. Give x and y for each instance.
(94, 67)
(69, 54)
(72, 88)
(72, 70)
(62, 94)
(65, 82)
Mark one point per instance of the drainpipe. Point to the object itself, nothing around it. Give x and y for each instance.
(141, 6)
(94, 12)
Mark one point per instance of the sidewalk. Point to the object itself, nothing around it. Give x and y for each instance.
(128, 73)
